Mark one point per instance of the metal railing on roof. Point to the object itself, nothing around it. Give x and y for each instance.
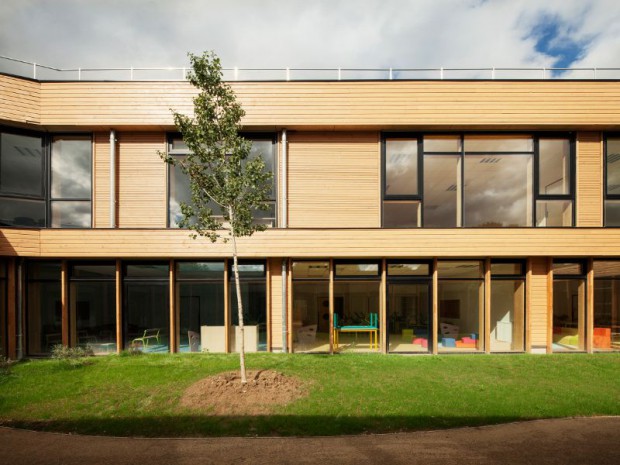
(41, 72)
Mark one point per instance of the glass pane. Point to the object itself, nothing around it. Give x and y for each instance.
(147, 316)
(3, 330)
(44, 315)
(606, 333)
(401, 167)
(71, 214)
(248, 270)
(442, 143)
(44, 270)
(266, 217)
(21, 165)
(401, 214)
(606, 269)
(201, 310)
(554, 166)
(310, 316)
(568, 314)
(612, 213)
(498, 191)
(265, 148)
(461, 310)
(499, 143)
(357, 269)
(356, 316)
(93, 315)
(200, 270)
(459, 269)
(254, 299)
(554, 213)
(567, 268)
(93, 271)
(71, 168)
(408, 269)
(613, 166)
(315, 270)
(178, 144)
(408, 318)
(147, 271)
(442, 180)
(18, 212)
(506, 269)
(507, 323)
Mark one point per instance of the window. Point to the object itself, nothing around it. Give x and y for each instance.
(612, 181)
(44, 307)
(606, 332)
(178, 183)
(27, 199)
(253, 286)
(477, 180)
(507, 306)
(569, 305)
(311, 306)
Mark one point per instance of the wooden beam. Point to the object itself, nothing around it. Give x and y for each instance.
(269, 303)
(331, 306)
(174, 328)
(226, 307)
(589, 333)
(528, 305)
(11, 321)
(383, 307)
(549, 305)
(119, 308)
(289, 305)
(435, 328)
(486, 311)
(64, 301)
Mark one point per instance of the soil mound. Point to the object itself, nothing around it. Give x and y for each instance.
(223, 394)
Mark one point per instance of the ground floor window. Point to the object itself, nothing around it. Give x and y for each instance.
(606, 330)
(569, 306)
(252, 278)
(310, 317)
(507, 307)
(3, 308)
(44, 307)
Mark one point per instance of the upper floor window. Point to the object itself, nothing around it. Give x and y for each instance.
(447, 181)
(179, 191)
(45, 182)
(612, 181)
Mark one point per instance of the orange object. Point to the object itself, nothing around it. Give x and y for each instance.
(602, 338)
(466, 345)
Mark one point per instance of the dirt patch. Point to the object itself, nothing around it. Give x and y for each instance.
(223, 394)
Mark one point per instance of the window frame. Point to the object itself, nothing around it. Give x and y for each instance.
(606, 195)
(463, 153)
(252, 136)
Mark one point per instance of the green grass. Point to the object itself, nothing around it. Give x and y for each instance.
(347, 393)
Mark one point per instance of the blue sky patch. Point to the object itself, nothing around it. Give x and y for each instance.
(553, 38)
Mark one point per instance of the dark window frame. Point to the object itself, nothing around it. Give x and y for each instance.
(270, 136)
(349, 277)
(462, 153)
(606, 195)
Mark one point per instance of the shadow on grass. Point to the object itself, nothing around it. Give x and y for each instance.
(261, 425)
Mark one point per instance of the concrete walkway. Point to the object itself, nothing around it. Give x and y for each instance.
(570, 441)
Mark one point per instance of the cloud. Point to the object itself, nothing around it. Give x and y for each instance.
(322, 33)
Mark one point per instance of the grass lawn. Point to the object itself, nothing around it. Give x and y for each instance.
(140, 395)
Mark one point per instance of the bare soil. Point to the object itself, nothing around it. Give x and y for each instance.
(223, 394)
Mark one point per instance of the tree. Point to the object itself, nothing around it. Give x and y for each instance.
(227, 185)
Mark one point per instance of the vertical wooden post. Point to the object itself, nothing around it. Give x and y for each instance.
(486, 311)
(528, 305)
(289, 306)
(589, 314)
(435, 328)
(269, 303)
(383, 307)
(64, 301)
(119, 308)
(331, 306)
(549, 305)
(11, 321)
(226, 307)
(174, 328)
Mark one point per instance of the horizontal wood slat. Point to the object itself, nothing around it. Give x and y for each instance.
(101, 188)
(380, 104)
(589, 179)
(538, 302)
(20, 100)
(334, 180)
(170, 243)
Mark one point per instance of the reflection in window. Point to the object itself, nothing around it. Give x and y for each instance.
(568, 314)
(22, 212)
(310, 315)
(442, 192)
(408, 316)
(498, 190)
(3, 289)
(606, 332)
(554, 213)
(507, 310)
(612, 182)
(401, 214)
(554, 167)
(401, 167)
(254, 299)
(21, 165)
(499, 143)
(44, 307)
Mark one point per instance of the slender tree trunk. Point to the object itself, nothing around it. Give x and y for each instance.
(239, 301)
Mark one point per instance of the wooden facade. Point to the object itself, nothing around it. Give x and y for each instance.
(334, 185)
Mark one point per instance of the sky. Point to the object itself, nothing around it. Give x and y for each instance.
(313, 33)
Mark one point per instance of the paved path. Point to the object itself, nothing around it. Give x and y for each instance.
(570, 441)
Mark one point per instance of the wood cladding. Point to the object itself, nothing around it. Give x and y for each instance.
(310, 243)
(589, 179)
(334, 180)
(101, 176)
(275, 274)
(141, 186)
(538, 303)
(371, 104)
(20, 100)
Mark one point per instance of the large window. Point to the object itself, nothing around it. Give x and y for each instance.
(44, 307)
(178, 184)
(3, 289)
(507, 306)
(569, 305)
(612, 181)
(445, 181)
(253, 285)
(40, 187)
(606, 332)
(311, 306)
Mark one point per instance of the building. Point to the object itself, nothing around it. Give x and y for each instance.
(467, 215)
